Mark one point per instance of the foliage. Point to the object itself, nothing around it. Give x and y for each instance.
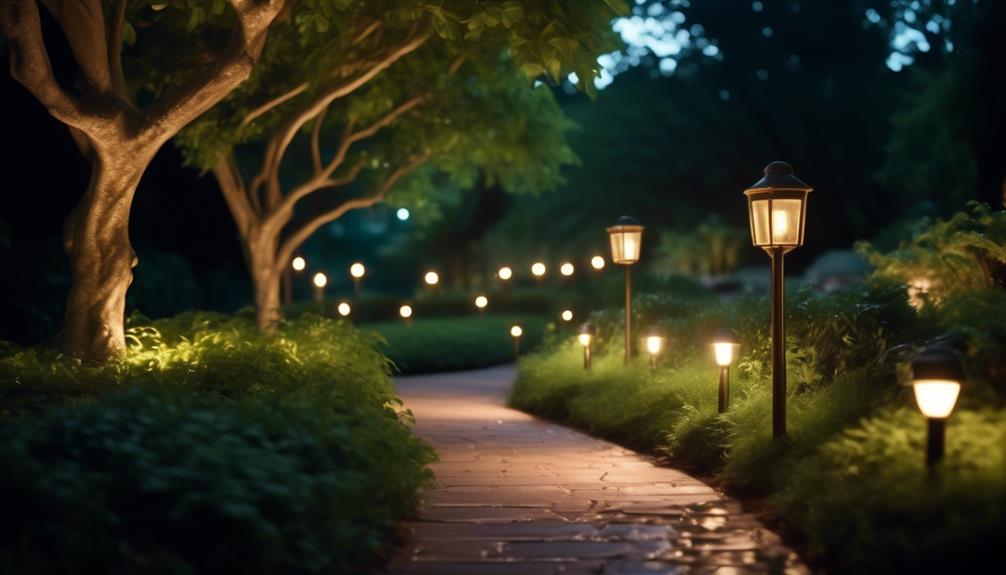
(960, 254)
(451, 344)
(290, 455)
(851, 424)
(711, 248)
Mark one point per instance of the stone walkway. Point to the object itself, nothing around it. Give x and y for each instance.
(519, 495)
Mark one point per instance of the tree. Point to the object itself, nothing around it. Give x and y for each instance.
(119, 123)
(452, 79)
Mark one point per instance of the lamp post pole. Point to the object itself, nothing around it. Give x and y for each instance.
(778, 345)
(724, 388)
(628, 313)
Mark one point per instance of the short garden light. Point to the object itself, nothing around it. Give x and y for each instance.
(344, 309)
(538, 270)
(504, 273)
(777, 208)
(586, 337)
(406, 312)
(320, 280)
(481, 302)
(566, 315)
(654, 344)
(432, 278)
(936, 379)
(597, 262)
(516, 331)
(357, 271)
(626, 238)
(724, 342)
(566, 269)
(298, 264)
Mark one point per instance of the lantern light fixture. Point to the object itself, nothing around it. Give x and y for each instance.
(516, 331)
(654, 340)
(626, 238)
(320, 280)
(357, 270)
(777, 210)
(937, 376)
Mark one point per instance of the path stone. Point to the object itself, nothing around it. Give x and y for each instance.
(518, 495)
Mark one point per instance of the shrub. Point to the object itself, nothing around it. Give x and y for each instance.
(208, 447)
(450, 344)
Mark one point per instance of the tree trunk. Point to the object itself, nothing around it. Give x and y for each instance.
(265, 276)
(96, 239)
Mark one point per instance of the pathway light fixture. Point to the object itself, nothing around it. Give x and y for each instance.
(936, 381)
(626, 238)
(725, 342)
(586, 338)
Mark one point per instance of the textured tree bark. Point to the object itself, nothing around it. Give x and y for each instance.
(96, 240)
(265, 275)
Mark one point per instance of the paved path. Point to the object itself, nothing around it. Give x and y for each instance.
(519, 495)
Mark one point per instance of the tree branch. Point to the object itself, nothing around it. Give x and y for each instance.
(117, 78)
(234, 191)
(294, 241)
(273, 103)
(83, 25)
(234, 65)
(30, 65)
(316, 142)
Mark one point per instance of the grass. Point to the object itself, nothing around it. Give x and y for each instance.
(850, 480)
(456, 343)
(207, 447)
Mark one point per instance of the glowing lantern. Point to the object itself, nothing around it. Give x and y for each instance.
(936, 380)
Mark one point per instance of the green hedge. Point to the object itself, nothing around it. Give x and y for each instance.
(207, 448)
(850, 480)
(452, 344)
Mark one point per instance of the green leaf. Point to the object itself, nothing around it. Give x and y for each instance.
(128, 34)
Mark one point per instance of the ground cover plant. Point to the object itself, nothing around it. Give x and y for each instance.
(850, 480)
(457, 343)
(208, 447)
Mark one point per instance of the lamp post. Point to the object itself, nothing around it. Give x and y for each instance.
(481, 302)
(777, 207)
(586, 337)
(936, 380)
(597, 262)
(344, 309)
(654, 344)
(724, 342)
(626, 238)
(320, 280)
(406, 314)
(357, 271)
(516, 331)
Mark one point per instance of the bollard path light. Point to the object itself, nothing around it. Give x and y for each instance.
(586, 337)
(626, 238)
(515, 332)
(357, 271)
(725, 341)
(777, 208)
(406, 314)
(654, 344)
(320, 280)
(481, 302)
(538, 270)
(936, 380)
(344, 309)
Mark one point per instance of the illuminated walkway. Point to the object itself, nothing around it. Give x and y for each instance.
(519, 495)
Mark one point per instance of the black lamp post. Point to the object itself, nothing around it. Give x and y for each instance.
(586, 337)
(936, 380)
(626, 238)
(724, 343)
(777, 205)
